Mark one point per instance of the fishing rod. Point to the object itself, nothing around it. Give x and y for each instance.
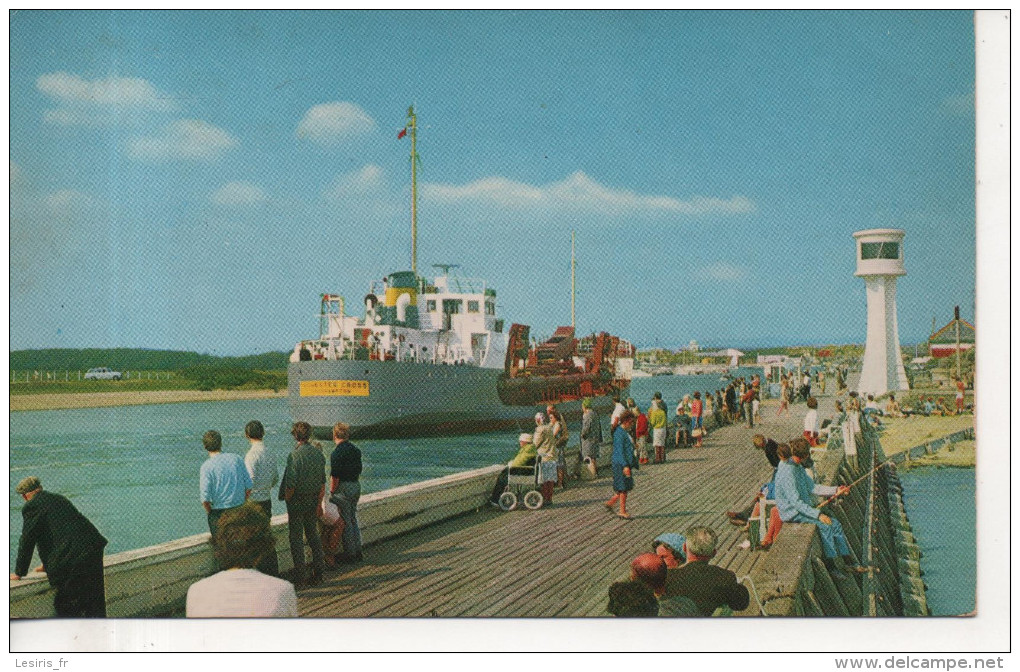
(848, 487)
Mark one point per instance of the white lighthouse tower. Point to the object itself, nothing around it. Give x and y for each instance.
(880, 262)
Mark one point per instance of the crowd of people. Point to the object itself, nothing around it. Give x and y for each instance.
(793, 495)
(674, 579)
(236, 494)
(638, 437)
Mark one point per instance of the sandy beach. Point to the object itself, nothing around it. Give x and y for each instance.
(903, 433)
(48, 402)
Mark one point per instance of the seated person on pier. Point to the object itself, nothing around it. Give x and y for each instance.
(892, 408)
(652, 571)
(522, 465)
(242, 541)
(872, 412)
(632, 599)
(708, 586)
(771, 448)
(942, 407)
(795, 500)
(768, 492)
(670, 547)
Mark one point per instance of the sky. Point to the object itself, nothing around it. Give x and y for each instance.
(196, 180)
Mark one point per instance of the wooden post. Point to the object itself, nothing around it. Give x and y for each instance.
(956, 317)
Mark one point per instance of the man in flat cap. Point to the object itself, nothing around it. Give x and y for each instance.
(70, 547)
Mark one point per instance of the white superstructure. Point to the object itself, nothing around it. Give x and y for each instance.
(444, 320)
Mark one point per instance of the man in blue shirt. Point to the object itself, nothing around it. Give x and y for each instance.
(223, 480)
(795, 496)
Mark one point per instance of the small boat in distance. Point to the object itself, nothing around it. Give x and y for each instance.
(430, 356)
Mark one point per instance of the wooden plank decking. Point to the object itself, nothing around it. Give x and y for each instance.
(559, 560)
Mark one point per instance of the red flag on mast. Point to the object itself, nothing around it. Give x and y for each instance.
(402, 133)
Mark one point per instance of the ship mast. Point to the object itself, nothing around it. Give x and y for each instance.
(412, 126)
(573, 286)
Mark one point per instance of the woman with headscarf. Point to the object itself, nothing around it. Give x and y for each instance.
(545, 446)
(623, 462)
(683, 420)
(560, 436)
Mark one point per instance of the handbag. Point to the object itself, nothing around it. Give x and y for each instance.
(698, 432)
(330, 513)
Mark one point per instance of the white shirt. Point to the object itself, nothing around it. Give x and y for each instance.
(262, 469)
(811, 421)
(617, 412)
(241, 593)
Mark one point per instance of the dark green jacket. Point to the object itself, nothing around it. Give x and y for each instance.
(64, 536)
(305, 472)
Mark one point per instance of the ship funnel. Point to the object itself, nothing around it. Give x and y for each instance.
(403, 283)
(403, 301)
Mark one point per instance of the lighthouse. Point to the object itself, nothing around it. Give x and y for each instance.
(880, 262)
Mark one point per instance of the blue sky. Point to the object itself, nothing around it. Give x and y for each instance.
(195, 180)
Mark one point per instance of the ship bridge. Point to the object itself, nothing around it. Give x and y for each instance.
(447, 319)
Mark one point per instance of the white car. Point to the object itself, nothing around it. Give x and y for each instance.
(102, 373)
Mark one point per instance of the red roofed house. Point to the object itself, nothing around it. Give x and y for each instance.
(944, 342)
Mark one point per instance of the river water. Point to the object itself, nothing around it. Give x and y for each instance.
(133, 470)
(941, 507)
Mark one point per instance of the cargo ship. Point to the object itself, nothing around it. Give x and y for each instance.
(430, 356)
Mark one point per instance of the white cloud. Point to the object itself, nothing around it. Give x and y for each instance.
(238, 194)
(725, 272)
(332, 123)
(119, 91)
(580, 193)
(367, 180)
(109, 100)
(68, 202)
(186, 139)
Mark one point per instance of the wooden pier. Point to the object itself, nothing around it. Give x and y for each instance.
(561, 559)
(436, 549)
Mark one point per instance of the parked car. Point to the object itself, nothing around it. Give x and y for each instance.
(102, 373)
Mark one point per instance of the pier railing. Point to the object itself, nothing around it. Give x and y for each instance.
(154, 581)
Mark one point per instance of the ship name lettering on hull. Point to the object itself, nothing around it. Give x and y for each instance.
(334, 388)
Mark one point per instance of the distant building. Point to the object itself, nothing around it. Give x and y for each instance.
(943, 343)
(732, 354)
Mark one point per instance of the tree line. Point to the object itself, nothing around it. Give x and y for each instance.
(137, 359)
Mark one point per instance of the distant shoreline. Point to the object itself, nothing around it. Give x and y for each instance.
(51, 402)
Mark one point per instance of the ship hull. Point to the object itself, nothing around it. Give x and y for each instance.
(403, 399)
